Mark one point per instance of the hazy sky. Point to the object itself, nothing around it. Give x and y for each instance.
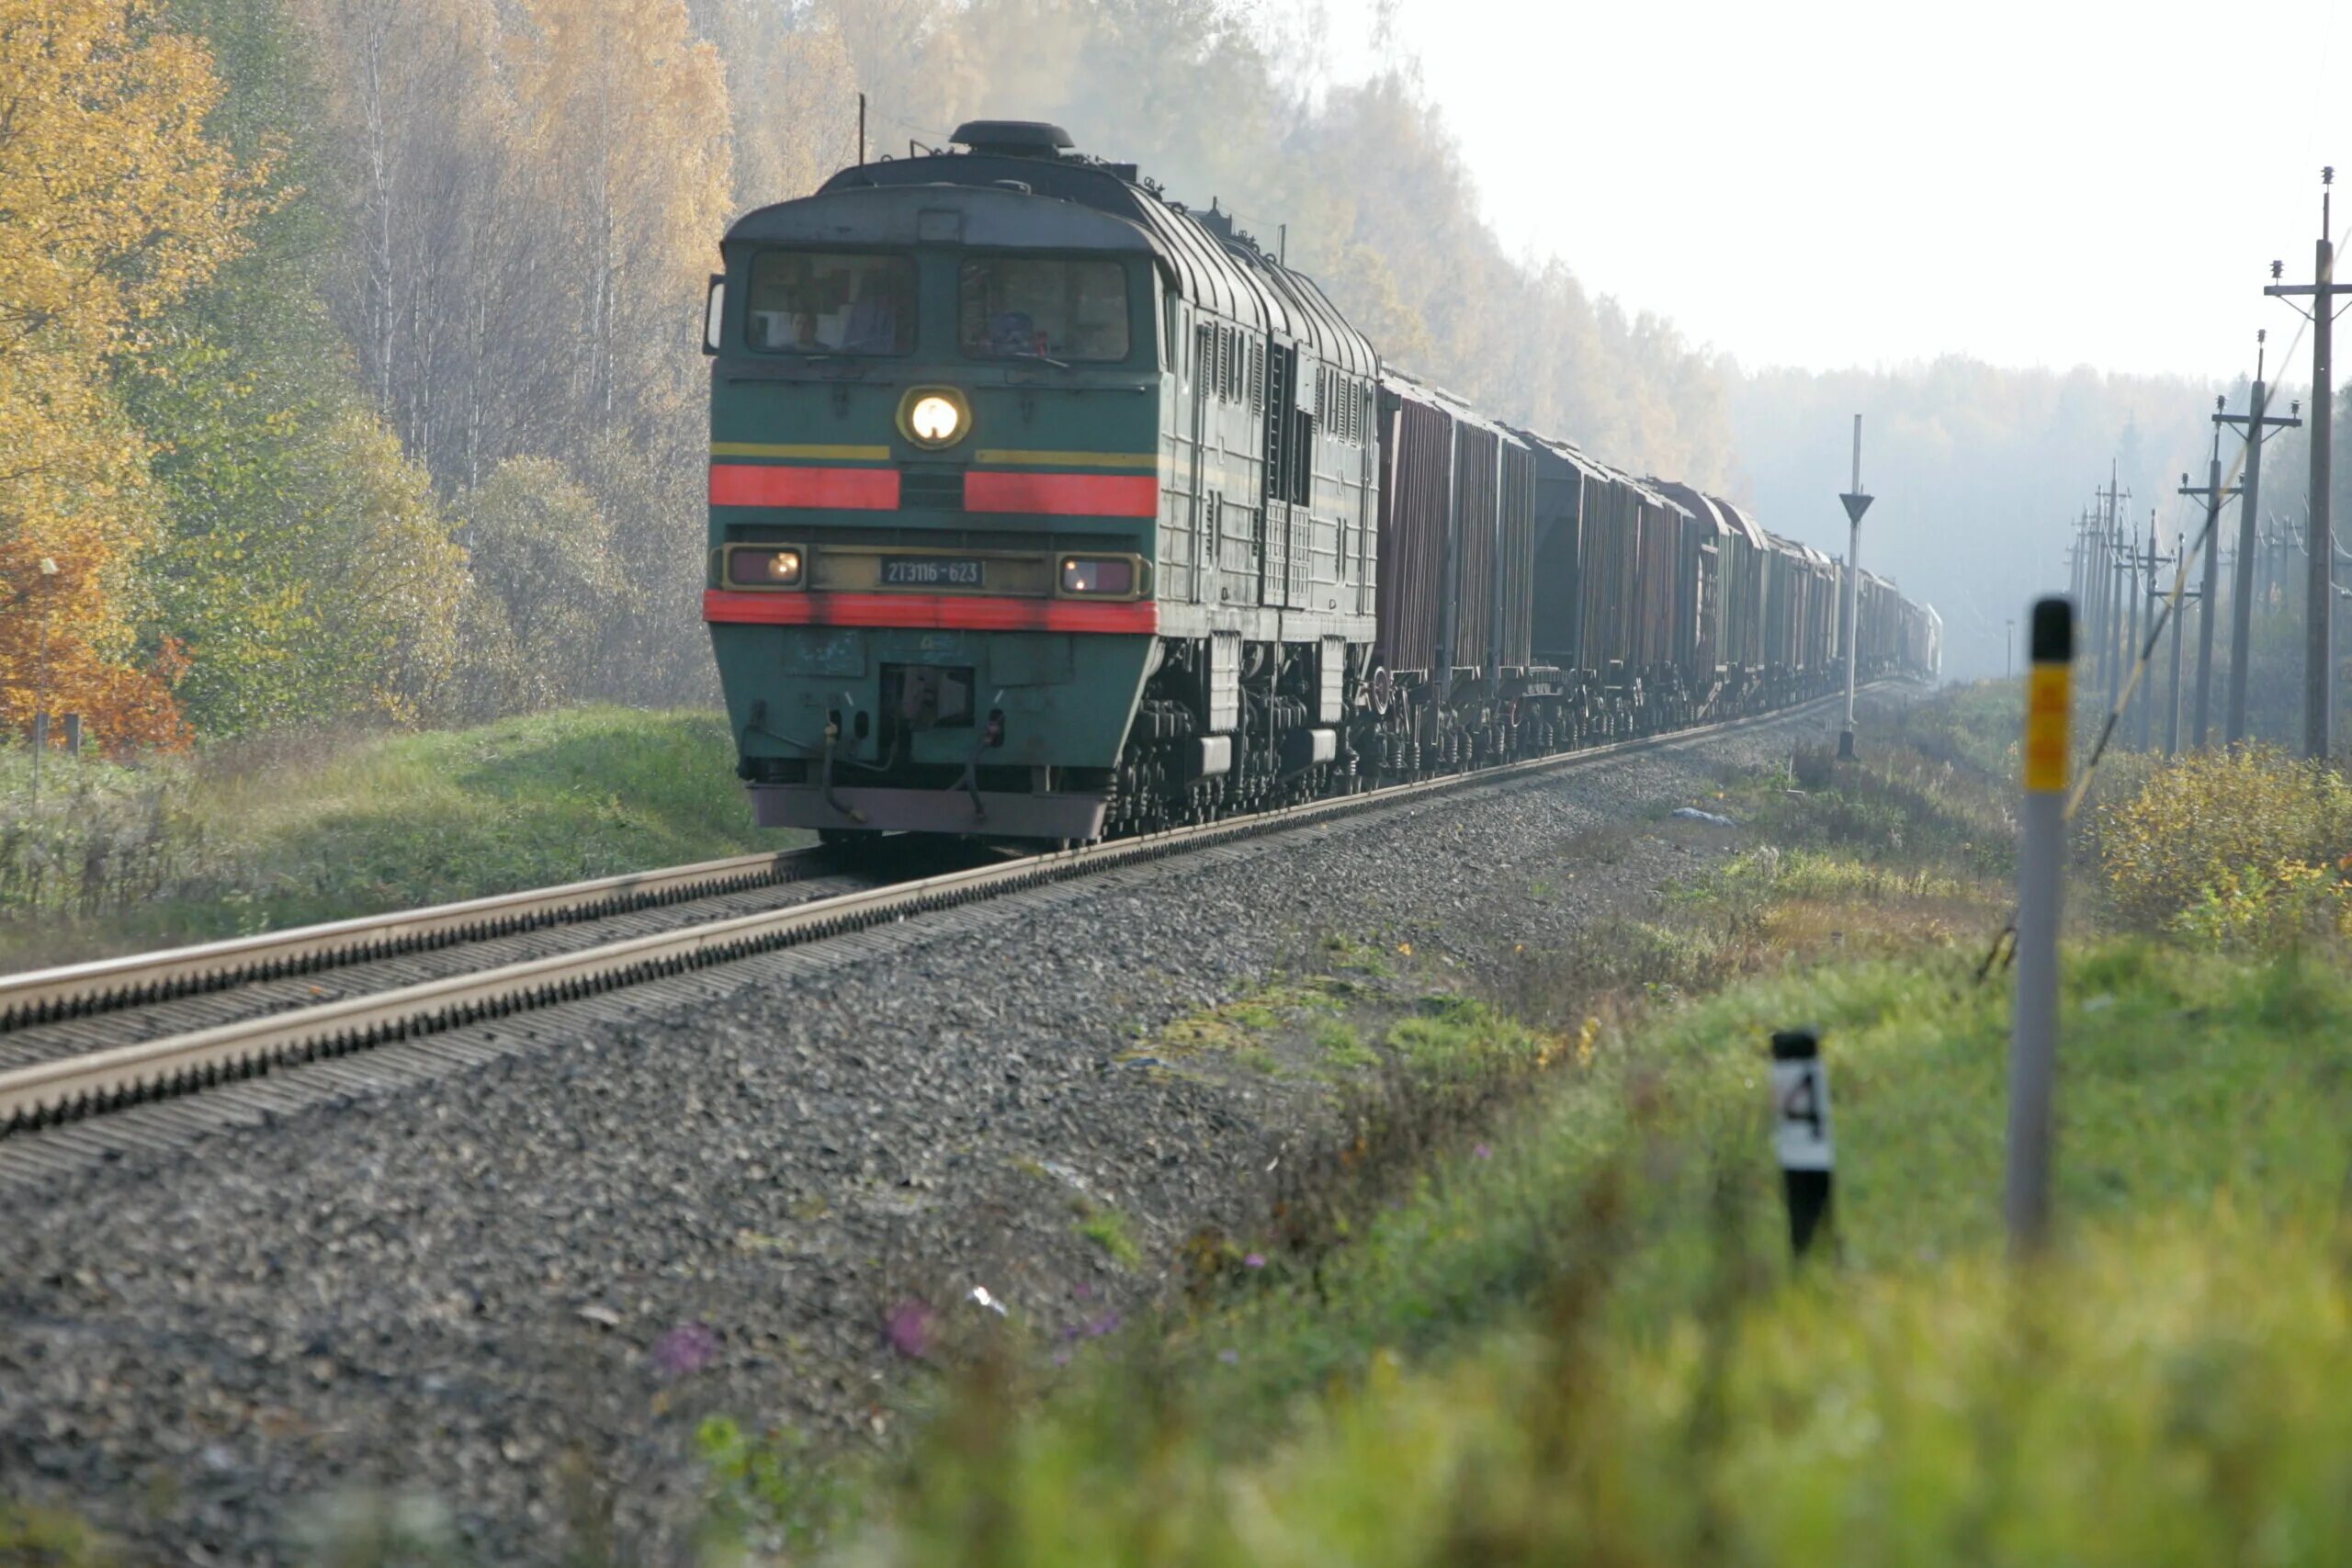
(1829, 185)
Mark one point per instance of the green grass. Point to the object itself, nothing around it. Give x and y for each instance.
(1583, 1341)
(263, 836)
(1107, 1228)
(1342, 1045)
(1566, 1328)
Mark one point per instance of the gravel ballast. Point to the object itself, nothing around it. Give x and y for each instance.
(512, 1290)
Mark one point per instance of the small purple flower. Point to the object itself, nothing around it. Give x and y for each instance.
(909, 1329)
(1061, 1356)
(1228, 1357)
(1082, 1289)
(1107, 1323)
(686, 1349)
(1255, 1260)
(1482, 1152)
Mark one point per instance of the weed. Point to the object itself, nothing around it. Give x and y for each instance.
(1342, 1046)
(2245, 848)
(769, 1489)
(1107, 1228)
(1345, 953)
(42, 1539)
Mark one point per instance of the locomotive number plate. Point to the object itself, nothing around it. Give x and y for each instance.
(934, 571)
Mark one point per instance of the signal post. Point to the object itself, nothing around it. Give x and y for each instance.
(1856, 503)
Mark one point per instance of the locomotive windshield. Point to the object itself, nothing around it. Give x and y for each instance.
(831, 302)
(1044, 307)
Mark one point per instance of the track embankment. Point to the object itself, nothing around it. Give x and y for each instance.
(753, 1186)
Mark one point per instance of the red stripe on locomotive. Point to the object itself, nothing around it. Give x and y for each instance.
(856, 490)
(1063, 495)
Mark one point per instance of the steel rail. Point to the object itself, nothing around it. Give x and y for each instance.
(67, 1089)
(103, 984)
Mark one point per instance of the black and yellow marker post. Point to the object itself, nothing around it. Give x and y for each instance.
(2042, 856)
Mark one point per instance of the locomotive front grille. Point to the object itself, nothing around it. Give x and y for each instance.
(939, 488)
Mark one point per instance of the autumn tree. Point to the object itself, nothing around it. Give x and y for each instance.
(302, 563)
(549, 586)
(436, 288)
(622, 119)
(114, 202)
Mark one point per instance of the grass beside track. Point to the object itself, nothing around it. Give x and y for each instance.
(261, 837)
(1567, 1329)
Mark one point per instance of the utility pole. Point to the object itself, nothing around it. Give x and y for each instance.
(2094, 591)
(1856, 504)
(2103, 592)
(2008, 648)
(2172, 689)
(2110, 588)
(2319, 597)
(2128, 569)
(2093, 586)
(2258, 425)
(2156, 597)
(2207, 595)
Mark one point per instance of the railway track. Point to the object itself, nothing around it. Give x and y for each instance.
(375, 996)
(89, 1008)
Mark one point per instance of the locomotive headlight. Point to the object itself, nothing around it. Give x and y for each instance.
(935, 417)
(764, 566)
(1108, 577)
(935, 420)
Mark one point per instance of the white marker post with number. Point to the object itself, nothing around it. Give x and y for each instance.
(1801, 1139)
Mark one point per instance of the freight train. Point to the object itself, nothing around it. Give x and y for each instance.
(1044, 508)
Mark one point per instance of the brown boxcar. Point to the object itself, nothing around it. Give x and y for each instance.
(1515, 555)
(1744, 592)
(1571, 493)
(1458, 507)
(1478, 460)
(1612, 562)
(1416, 469)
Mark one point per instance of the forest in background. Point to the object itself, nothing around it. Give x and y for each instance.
(348, 358)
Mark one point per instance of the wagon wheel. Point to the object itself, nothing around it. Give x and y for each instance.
(1382, 688)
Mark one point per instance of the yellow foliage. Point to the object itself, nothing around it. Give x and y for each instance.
(2231, 846)
(800, 92)
(113, 203)
(625, 123)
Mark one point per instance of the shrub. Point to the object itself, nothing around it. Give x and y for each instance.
(2241, 846)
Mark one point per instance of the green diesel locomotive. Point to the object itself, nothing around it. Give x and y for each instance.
(1025, 484)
